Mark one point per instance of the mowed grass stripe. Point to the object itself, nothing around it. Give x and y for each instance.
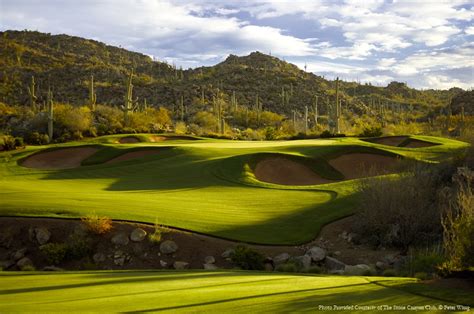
(196, 291)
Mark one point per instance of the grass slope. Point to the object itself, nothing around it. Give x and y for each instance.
(205, 186)
(200, 291)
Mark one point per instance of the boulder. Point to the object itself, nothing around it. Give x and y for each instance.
(138, 235)
(281, 258)
(98, 258)
(19, 254)
(268, 267)
(42, 235)
(228, 253)
(333, 264)
(357, 270)
(210, 266)
(120, 239)
(303, 261)
(209, 260)
(168, 247)
(163, 263)
(180, 265)
(317, 254)
(380, 265)
(24, 262)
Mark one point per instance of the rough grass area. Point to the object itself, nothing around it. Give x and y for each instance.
(201, 291)
(206, 186)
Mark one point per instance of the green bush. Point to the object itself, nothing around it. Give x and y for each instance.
(54, 253)
(287, 268)
(28, 268)
(374, 131)
(7, 142)
(78, 246)
(422, 275)
(19, 142)
(247, 258)
(389, 272)
(314, 270)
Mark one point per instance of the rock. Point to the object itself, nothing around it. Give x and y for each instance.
(209, 260)
(333, 264)
(120, 239)
(118, 254)
(52, 268)
(119, 261)
(343, 235)
(317, 254)
(357, 270)
(303, 261)
(180, 265)
(6, 239)
(42, 235)
(227, 253)
(268, 267)
(390, 259)
(163, 263)
(281, 258)
(210, 266)
(19, 254)
(98, 258)
(380, 265)
(168, 247)
(337, 253)
(24, 262)
(138, 235)
(6, 264)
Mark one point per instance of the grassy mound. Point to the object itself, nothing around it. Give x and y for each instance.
(206, 186)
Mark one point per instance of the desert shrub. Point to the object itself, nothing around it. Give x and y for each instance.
(7, 142)
(328, 134)
(403, 211)
(247, 258)
(77, 246)
(54, 253)
(374, 131)
(389, 272)
(424, 260)
(96, 224)
(287, 268)
(458, 222)
(35, 138)
(156, 236)
(19, 142)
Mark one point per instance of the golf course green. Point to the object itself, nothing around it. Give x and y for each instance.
(203, 185)
(219, 291)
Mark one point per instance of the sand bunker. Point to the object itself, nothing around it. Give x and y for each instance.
(417, 144)
(280, 170)
(128, 140)
(389, 140)
(133, 155)
(360, 165)
(66, 158)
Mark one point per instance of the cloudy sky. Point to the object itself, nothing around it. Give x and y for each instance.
(426, 43)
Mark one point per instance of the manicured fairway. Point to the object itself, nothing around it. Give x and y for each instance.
(200, 291)
(200, 185)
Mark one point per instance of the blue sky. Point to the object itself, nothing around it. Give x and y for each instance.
(428, 44)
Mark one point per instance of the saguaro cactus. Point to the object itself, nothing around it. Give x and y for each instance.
(258, 108)
(233, 101)
(305, 119)
(181, 108)
(130, 104)
(32, 93)
(92, 95)
(338, 108)
(315, 110)
(50, 108)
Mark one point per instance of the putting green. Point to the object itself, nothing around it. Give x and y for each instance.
(201, 291)
(205, 186)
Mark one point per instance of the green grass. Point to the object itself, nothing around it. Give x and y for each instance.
(205, 186)
(201, 291)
